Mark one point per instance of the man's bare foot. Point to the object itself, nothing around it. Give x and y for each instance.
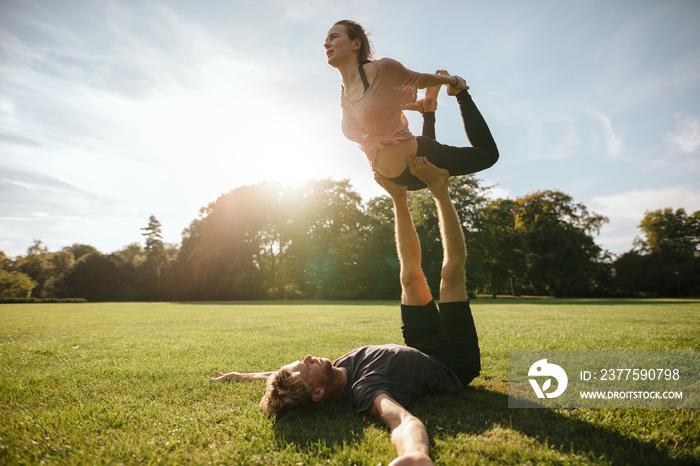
(436, 178)
(394, 190)
(456, 89)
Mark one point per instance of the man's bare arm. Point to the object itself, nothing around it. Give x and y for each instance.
(408, 434)
(237, 376)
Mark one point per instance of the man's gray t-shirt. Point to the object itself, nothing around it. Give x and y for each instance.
(401, 372)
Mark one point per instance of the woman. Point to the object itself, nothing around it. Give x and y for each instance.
(372, 98)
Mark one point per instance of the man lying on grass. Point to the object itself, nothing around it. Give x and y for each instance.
(442, 352)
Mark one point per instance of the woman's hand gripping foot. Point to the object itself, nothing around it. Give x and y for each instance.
(460, 86)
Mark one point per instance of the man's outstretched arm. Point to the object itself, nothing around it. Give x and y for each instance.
(237, 376)
(408, 434)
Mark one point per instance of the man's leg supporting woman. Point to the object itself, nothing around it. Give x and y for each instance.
(448, 334)
(455, 341)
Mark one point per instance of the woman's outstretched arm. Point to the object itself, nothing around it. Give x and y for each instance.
(431, 80)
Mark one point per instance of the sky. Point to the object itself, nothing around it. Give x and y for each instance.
(115, 110)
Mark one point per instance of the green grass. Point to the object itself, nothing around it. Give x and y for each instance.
(125, 383)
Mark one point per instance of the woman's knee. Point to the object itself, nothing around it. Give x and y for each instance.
(493, 154)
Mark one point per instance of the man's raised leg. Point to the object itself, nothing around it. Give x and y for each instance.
(414, 288)
(452, 279)
(458, 344)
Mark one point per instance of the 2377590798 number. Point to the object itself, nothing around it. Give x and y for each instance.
(639, 374)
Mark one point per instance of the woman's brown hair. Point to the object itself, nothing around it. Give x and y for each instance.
(356, 31)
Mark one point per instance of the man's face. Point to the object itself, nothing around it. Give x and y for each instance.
(317, 372)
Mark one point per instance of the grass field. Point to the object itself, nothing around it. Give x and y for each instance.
(125, 383)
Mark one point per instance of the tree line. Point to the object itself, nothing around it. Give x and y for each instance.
(319, 241)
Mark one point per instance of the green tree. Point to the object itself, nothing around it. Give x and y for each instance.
(156, 258)
(182, 279)
(266, 240)
(271, 241)
(502, 247)
(5, 262)
(60, 264)
(15, 285)
(667, 231)
(37, 265)
(133, 254)
(80, 250)
(45, 268)
(99, 277)
(666, 260)
(561, 255)
(325, 229)
(380, 250)
(216, 252)
(328, 229)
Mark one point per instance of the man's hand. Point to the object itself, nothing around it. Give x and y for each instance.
(233, 375)
(413, 459)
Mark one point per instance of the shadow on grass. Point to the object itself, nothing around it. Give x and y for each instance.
(474, 412)
(324, 425)
(589, 301)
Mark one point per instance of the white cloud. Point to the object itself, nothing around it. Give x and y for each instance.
(633, 204)
(626, 210)
(686, 137)
(539, 131)
(613, 142)
(582, 184)
(635, 66)
(564, 144)
(43, 207)
(498, 192)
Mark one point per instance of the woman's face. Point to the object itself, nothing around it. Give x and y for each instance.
(339, 47)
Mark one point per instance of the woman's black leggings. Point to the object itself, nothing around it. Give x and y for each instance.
(456, 160)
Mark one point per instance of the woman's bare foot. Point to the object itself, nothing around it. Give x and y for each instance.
(415, 106)
(418, 106)
(430, 100)
(456, 89)
(436, 178)
(404, 120)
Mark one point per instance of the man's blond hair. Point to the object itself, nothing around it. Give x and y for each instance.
(284, 390)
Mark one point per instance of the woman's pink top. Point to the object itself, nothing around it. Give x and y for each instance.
(374, 121)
